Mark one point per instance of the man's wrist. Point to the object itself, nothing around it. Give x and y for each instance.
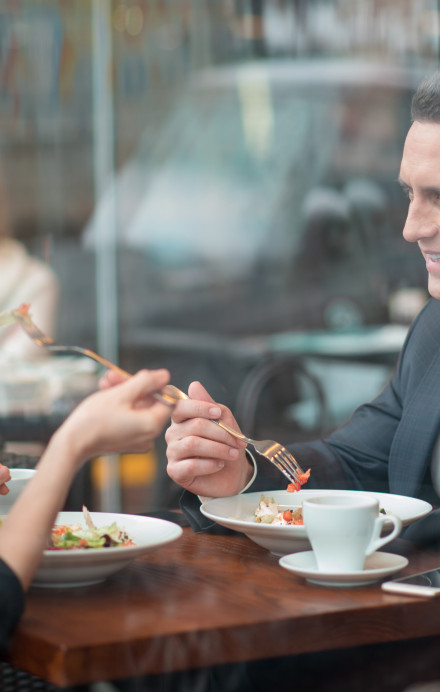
(253, 464)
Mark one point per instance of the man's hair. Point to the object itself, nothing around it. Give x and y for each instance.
(425, 105)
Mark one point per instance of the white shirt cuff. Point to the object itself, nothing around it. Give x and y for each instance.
(250, 456)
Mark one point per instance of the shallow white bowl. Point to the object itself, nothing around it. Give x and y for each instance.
(236, 513)
(67, 568)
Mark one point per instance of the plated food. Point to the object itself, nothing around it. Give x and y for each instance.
(87, 536)
(69, 568)
(269, 512)
(238, 513)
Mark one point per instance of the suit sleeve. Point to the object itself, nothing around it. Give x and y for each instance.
(356, 455)
(350, 458)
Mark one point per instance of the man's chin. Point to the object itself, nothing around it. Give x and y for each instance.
(434, 287)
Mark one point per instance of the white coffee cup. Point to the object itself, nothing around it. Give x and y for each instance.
(344, 529)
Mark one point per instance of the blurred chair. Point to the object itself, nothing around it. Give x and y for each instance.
(280, 399)
(368, 208)
(15, 680)
(327, 239)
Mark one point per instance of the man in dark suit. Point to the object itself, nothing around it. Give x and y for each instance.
(389, 444)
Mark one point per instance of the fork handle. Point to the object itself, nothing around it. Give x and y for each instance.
(167, 398)
(231, 431)
(89, 354)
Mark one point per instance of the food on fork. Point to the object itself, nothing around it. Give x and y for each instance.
(12, 316)
(23, 310)
(302, 479)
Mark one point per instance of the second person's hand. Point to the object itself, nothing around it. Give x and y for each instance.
(134, 416)
(5, 476)
(202, 457)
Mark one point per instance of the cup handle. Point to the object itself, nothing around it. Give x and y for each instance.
(376, 540)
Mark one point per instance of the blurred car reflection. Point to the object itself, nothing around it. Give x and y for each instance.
(268, 201)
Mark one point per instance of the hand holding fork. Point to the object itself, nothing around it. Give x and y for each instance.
(271, 450)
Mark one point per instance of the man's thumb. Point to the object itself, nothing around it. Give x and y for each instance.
(197, 391)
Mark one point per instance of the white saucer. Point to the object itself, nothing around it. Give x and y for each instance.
(377, 566)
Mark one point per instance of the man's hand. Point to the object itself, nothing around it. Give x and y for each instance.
(202, 457)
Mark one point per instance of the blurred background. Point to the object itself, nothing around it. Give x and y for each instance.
(209, 186)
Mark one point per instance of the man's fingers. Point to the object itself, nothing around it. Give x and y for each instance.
(187, 472)
(193, 446)
(186, 409)
(197, 391)
(200, 427)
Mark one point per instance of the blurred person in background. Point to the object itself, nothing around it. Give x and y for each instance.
(23, 279)
(123, 418)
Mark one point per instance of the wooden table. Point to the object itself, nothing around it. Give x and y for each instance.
(206, 600)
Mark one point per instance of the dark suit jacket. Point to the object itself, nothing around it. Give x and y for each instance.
(387, 444)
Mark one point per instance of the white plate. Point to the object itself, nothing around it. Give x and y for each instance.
(19, 478)
(59, 568)
(377, 566)
(236, 512)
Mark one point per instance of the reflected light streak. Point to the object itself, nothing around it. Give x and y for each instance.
(134, 20)
(257, 112)
(119, 17)
(129, 19)
(248, 27)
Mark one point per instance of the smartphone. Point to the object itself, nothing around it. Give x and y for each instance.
(422, 584)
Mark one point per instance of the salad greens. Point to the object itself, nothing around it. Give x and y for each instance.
(77, 537)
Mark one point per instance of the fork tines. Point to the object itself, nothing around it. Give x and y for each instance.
(290, 477)
(288, 465)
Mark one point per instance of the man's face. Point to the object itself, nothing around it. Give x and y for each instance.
(420, 178)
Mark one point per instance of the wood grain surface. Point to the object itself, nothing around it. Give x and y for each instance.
(206, 600)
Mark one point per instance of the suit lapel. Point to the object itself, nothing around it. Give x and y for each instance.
(415, 437)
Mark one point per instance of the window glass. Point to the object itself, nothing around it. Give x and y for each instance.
(209, 186)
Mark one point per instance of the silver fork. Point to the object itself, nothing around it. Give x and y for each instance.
(23, 318)
(271, 450)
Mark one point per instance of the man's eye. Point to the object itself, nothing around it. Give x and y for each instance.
(407, 192)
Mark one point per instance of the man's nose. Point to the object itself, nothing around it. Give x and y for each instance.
(419, 223)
